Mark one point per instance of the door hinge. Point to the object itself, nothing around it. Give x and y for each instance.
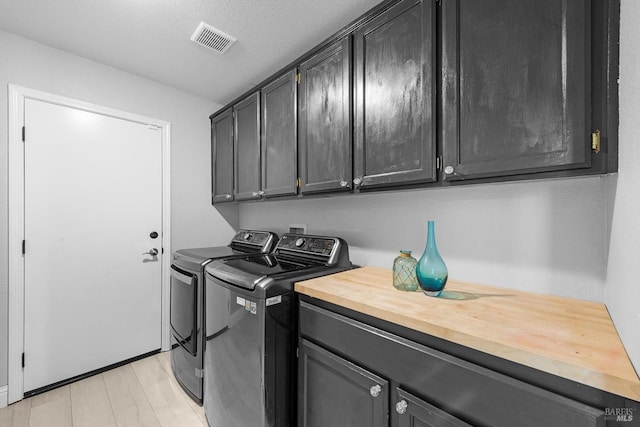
(23, 133)
(595, 141)
(24, 247)
(298, 78)
(23, 360)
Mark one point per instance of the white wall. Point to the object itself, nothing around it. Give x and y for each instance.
(194, 222)
(623, 273)
(544, 236)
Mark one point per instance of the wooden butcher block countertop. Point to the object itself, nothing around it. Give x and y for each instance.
(566, 337)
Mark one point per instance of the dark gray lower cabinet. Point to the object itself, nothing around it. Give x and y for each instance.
(430, 387)
(410, 411)
(336, 392)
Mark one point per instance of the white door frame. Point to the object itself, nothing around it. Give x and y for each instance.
(17, 96)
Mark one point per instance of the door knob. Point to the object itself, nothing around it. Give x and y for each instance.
(152, 252)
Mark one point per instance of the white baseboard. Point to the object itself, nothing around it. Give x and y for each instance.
(3, 396)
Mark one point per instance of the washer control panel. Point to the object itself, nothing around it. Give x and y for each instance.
(310, 244)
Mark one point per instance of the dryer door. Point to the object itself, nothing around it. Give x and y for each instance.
(184, 299)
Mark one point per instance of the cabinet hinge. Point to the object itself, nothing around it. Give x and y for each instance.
(595, 141)
(299, 182)
(24, 247)
(23, 133)
(438, 162)
(298, 78)
(23, 360)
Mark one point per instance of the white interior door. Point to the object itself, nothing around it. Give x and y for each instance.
(93, 196)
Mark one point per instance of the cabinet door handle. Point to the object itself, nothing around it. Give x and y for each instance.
(357, 181)
(448, 170)
(343, 183)
(375, 390)
(401, 407)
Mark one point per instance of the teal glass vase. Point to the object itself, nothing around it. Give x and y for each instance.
(404, 272)
(431, 270)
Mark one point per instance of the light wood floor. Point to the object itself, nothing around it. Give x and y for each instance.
(142, 393)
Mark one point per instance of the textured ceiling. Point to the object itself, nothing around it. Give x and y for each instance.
(151, 38)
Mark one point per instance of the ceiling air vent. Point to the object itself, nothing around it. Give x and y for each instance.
(212, 38)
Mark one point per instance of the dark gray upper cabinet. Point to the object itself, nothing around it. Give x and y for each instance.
(324, 118)
(222, 157)
(336, 392)
(516, 86)
(395, 102)
(436, 93)
(279, 137)
(246, 115)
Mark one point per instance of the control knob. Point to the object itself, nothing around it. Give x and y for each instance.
(299, 242)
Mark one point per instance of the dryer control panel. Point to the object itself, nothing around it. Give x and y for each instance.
(256, 240)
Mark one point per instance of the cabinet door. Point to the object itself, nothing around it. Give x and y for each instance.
(247, 147)
(335, 392)
(279, 137)
(222, 157)
(409, 411)
(394, 110)
(516, 86)
(324, 112)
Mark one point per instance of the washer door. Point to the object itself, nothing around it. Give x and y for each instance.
(234, 358)
(184, 299)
